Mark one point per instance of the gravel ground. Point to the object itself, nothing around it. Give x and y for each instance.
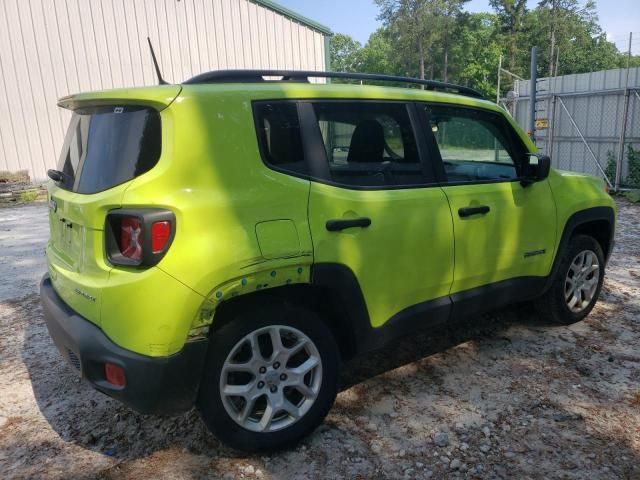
(504, 396)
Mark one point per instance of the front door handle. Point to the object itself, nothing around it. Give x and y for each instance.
(337, 225)
(468, 211)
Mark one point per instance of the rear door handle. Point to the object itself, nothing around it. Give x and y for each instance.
(468, 211)
(337, 225)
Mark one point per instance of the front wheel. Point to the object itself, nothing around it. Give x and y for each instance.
(577, 284)
(271, 377)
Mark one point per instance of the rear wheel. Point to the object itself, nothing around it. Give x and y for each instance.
(271, 377)
(577, 284)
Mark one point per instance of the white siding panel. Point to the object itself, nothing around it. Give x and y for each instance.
(53, 48)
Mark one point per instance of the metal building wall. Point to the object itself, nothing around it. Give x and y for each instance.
(595, 101)
(53, 48)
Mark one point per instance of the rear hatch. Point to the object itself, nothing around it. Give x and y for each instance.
(113, 137)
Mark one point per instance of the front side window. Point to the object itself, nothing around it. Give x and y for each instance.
(369, 144)
(475, 145)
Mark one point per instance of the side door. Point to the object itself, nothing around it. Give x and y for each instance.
(375, 208)
(504, 231)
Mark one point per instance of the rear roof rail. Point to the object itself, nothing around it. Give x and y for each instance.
(256, 76)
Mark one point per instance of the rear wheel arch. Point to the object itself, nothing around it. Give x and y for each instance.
(324, 300)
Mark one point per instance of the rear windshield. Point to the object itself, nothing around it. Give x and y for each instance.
(107, 146)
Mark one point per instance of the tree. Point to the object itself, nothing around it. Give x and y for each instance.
(344, 53)
(377, 56)
(557, 15)
(511, 15)
(476, 51)
(448, 10)
(438, 35)
(412, 24)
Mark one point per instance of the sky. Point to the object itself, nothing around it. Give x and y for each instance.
(357, 18)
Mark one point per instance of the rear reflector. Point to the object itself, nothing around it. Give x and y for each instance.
(160, 234)
(131, 238)
(114, 374)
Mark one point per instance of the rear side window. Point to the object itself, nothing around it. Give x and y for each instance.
(107, 146)
(369, 144)
(279, 135)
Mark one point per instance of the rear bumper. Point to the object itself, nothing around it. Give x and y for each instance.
(157, 385)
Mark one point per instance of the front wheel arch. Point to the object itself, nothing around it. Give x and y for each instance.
(596, 222)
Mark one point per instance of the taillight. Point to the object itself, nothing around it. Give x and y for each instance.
(138, 237)
(160, 235)
(131, 238)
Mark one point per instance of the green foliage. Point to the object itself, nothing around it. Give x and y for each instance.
(612, 166)
(633, 195)
(437, 39)
(345, 53)
(633, 161)
(29, 196)
(478, 47)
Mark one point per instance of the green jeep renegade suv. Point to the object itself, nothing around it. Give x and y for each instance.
(229, 241)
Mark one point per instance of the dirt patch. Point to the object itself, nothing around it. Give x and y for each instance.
(504, 396)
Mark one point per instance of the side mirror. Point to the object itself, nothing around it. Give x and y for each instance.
(535, 168)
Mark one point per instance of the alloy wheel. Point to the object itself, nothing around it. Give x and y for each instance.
(581, 281)
(271, 378)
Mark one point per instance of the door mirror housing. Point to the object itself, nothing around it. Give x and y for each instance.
(535, 168)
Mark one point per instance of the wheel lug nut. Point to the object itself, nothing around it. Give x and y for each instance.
(274, 389)
(263, 369)
(283, 377)
(276, 365)
(260, 384)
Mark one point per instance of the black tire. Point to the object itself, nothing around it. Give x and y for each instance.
(240, 323)
(553, 305)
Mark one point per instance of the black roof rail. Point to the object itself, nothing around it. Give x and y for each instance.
(255, 76)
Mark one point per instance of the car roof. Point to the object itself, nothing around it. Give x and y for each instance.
(305, 76)
(336, 91)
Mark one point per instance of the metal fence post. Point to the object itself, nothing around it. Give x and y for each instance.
(532, 93)
(623, 134)
(625, 113)
(552, 126)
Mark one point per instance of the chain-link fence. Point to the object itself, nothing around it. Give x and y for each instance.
(587, 123)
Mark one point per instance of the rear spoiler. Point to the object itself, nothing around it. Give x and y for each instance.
(158, 97)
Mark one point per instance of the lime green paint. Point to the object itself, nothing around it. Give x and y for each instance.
(278, 238)
(158, 97)
(492, 247)
(406, 255)
(573, 192)
(241, 226)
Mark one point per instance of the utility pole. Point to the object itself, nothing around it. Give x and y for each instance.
(532, 93)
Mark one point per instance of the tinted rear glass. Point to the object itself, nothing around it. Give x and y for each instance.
(107, 146)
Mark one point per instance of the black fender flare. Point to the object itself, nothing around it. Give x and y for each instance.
(576, 220)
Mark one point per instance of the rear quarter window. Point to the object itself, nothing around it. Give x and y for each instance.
(279, 137)
(107, 146)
